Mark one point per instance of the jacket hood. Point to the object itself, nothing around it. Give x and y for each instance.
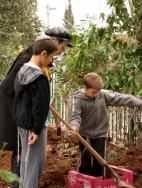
(80, 94)
(28, 74)
(25, 76)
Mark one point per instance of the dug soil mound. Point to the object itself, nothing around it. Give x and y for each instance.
(63, 154)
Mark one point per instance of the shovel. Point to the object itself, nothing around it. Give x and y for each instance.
(94, 153)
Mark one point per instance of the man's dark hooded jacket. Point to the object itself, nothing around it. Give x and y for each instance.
(8, 128)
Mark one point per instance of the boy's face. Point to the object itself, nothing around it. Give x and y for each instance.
(46, 58)
(91, 92)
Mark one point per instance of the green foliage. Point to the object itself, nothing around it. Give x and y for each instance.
(114, 52)
(4, 144)
(124, 74)
(68, 17)
(112, 154)
(19, 25)
(89, 54)
(7, 175)
(4, 61)
(17, 51)
(18, 21)
(7, 58)
(126, 17)
(10, 177)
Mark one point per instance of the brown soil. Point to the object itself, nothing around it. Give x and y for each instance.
(58, 165)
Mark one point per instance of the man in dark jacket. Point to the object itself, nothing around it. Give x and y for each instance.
(8, 129)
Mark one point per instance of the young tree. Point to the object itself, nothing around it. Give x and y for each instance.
(68, 17)
(115, 51)
(125, 18)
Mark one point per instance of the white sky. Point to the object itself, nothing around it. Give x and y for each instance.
(79, 8)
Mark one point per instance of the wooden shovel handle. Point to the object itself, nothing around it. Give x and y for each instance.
(92, 151)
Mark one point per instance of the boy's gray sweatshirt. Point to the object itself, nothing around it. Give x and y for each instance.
(91, 116)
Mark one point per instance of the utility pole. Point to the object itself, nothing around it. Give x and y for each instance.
(48, 10)
(83, 22)
(99, 13)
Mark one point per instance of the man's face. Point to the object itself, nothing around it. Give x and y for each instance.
(61, 47)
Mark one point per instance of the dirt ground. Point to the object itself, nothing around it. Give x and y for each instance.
(60, 162)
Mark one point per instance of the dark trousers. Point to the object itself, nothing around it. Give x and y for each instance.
(88, 164)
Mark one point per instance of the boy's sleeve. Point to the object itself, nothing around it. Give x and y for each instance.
(76, 115)
(119, 99)
(41, 100)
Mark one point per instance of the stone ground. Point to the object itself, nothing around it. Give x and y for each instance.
(58, 165)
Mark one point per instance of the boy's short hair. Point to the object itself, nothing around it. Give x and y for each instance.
(93, 80)
(44, 43)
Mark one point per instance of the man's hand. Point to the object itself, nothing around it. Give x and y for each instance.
(32, 139)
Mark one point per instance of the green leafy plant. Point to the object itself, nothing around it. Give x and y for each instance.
(112, 154)
(64, 149)
(7, 175)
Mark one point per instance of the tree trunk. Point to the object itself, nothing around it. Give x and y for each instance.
(68, 104)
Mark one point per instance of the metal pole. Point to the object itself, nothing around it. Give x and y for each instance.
(47, 15)
(48, 10)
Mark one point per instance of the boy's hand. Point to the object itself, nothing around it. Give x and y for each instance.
(32, 139)
(74, 131)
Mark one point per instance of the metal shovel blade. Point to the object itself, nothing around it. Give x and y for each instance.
(118, 181)
(124, 184)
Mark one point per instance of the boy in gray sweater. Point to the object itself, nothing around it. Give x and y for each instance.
(90, 119)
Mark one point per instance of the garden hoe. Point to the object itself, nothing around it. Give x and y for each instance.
(94, 153)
